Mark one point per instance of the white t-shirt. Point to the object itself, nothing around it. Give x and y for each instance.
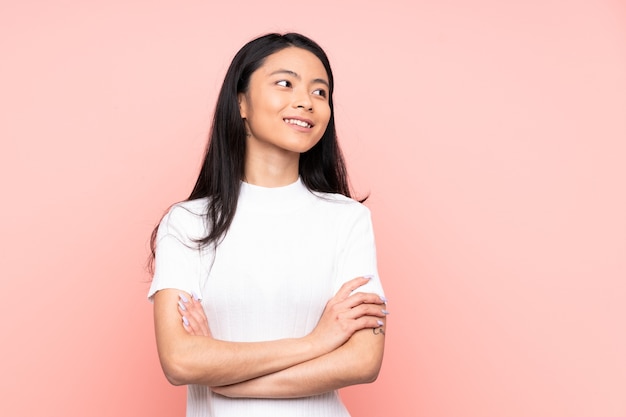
(286, 253)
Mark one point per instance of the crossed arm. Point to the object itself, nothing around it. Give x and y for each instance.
(356, 362)
(342, 350)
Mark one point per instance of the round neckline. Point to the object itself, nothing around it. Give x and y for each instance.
(273, 199)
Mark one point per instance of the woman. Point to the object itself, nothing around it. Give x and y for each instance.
(266, 293)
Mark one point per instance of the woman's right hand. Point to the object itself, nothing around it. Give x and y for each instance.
(347, 313)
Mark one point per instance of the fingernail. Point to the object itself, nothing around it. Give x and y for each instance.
(383, 299)
(182, 297)
(385, 312)
(195, 296)
(380, 323)
(368, 276)
(185, 321)
(182, 306)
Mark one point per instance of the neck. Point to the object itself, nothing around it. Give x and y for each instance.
(271, 170)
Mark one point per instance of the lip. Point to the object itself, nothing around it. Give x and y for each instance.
(310, 122)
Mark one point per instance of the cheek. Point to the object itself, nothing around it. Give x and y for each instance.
(263, 104)
(323, 127)
(325, 116)
(272, 103)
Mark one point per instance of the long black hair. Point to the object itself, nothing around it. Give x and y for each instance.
(322, 168)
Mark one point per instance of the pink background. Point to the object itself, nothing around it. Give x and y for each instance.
(490, 134)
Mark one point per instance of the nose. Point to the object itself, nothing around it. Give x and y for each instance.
(302, 100)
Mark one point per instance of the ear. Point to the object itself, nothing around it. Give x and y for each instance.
(243, 105)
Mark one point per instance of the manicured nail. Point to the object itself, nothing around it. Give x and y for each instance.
(385, 312)
(182, 306)
(380, 323)
(182, 297)
(185, 321)
(383, 299)
(195, 296)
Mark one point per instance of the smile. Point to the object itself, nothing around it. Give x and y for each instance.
(297, 122)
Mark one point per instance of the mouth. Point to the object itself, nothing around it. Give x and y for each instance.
(299, 122)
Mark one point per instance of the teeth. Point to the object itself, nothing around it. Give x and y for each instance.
(297, 122)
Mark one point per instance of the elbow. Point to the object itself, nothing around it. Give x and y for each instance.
(370, 373)
(371, 363)
(179, 368)
(174, 374)
(365, 371)
(175, 370)
(365, 361)
(174, 378)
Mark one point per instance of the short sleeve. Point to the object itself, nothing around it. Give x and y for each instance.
(179, 263)
(358, 252)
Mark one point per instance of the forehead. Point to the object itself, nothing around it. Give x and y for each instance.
(298, 60)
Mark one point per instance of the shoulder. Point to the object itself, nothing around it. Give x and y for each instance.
(339, 200)
(185, 220)
(196, 207)
(342, 206)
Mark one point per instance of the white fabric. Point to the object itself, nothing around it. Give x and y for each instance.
(285, 255)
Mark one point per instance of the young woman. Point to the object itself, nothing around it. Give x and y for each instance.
(266, 291)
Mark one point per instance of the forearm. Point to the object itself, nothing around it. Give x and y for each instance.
(358, 361)
(190, 355)
(206, 361)
(190, 359)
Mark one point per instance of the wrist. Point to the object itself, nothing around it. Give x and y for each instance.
(312, 346)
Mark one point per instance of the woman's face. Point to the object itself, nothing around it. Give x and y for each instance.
(286, 107)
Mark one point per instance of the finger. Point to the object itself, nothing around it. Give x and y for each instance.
(192, 325)
(182, 306)
(197, 315)
(189, 305)
(366, 322)
(191, 308)
(186, 326)
(349, 286)
(363, 298)
(183, 301)
(361, 310)
(369, 322)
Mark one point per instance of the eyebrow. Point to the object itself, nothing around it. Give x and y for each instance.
(296, 75)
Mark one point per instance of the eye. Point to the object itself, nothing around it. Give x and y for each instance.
(320, 92)
(284, 83)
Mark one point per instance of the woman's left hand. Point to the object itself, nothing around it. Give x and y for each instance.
(193, 317)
